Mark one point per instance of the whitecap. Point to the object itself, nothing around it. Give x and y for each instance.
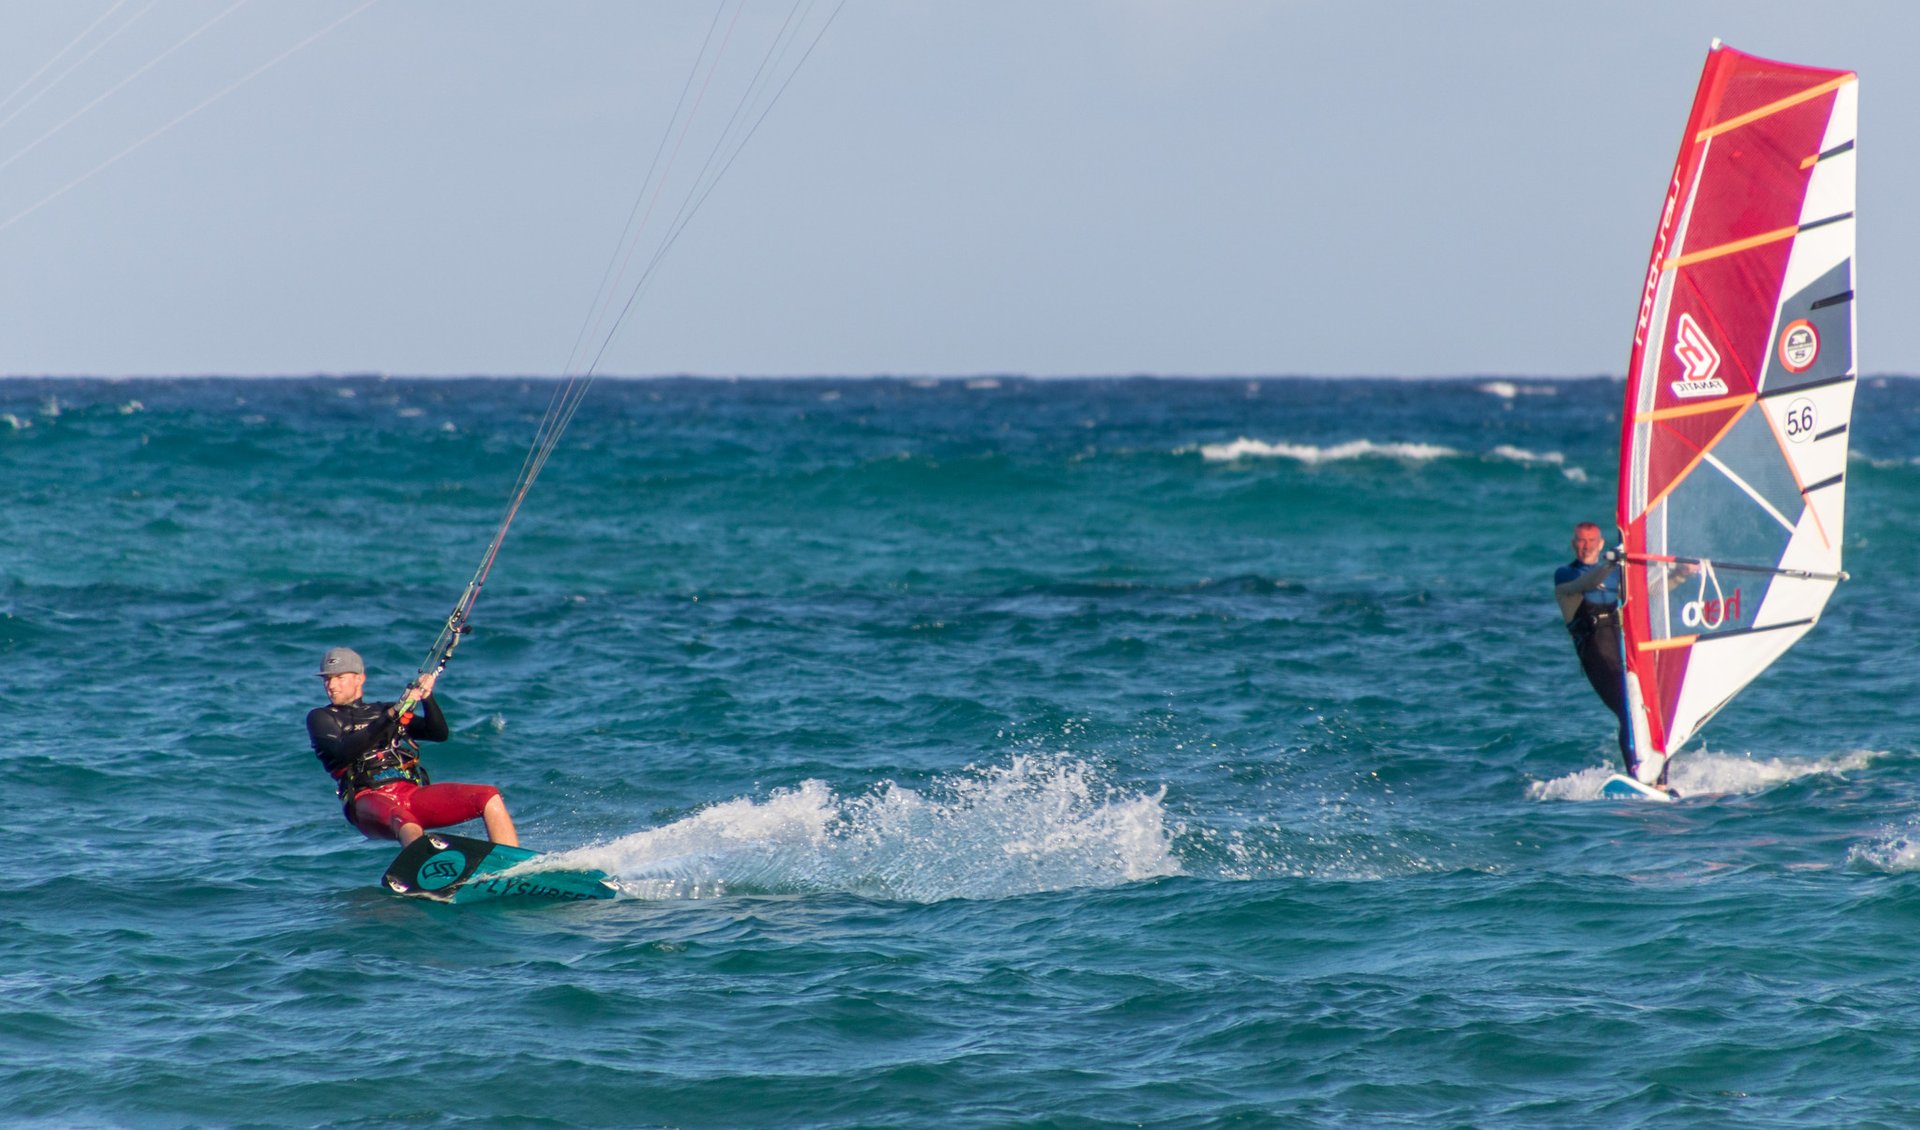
(1514, 454)
(1034, 824)
(1311, 454)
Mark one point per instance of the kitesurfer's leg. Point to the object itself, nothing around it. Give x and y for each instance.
(499, 823)
(383, 813)
(448, 803)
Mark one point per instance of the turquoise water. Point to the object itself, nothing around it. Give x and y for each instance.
(992, 753)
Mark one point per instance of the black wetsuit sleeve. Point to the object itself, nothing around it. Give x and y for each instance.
(1584, 582)
(429, 724)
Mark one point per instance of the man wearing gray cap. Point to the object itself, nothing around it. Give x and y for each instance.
(371, 754)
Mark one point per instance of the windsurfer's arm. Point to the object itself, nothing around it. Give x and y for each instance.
(1680, 571)
(1570, 592)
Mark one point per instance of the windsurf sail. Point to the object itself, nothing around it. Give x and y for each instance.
(1733, 445)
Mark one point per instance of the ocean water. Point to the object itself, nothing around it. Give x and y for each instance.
(969, 753)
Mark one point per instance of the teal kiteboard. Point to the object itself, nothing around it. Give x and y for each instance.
(448, 868)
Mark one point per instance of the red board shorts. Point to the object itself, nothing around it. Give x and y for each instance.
(379, 813)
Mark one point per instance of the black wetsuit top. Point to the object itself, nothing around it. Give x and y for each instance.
(342, 735)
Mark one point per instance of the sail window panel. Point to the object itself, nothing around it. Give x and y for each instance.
(1735, 514)
(1750, 454)
(1815, 547)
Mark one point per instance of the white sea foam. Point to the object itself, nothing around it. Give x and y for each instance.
(1035, 824)
(1513, 454)
(1895, 850)
(1507, 390)
(1705, 773)
(1243, 448)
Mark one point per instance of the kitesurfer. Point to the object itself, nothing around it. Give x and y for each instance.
(370, 752)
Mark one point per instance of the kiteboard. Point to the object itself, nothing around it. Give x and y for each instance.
(1626, 788)
(1733, 444)
(448, 868)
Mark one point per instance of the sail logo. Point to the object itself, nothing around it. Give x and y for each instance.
(1799, 346)
(1700, 360)
(1710, 614)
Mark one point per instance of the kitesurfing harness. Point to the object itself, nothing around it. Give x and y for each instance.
(397, 761)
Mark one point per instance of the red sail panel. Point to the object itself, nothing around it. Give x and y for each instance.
(1706, 325)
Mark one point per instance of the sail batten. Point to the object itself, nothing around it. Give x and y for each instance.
(1739, 393)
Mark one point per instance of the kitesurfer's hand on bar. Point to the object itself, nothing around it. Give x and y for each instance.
(424, 684)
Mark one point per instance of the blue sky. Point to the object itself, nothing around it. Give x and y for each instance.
(1003, 186)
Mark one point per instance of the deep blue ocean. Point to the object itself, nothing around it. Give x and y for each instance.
(970, 754)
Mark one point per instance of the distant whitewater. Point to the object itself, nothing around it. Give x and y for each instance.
(1311, 454)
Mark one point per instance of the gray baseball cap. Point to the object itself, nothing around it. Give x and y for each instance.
(341, 661)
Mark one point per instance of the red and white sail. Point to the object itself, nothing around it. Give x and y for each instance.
(1733, 446)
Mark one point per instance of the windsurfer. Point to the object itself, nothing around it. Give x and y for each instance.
(1588, 590)
(370, 752)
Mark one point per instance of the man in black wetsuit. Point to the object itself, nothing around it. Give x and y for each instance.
(1588, 591)
(383, 789)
